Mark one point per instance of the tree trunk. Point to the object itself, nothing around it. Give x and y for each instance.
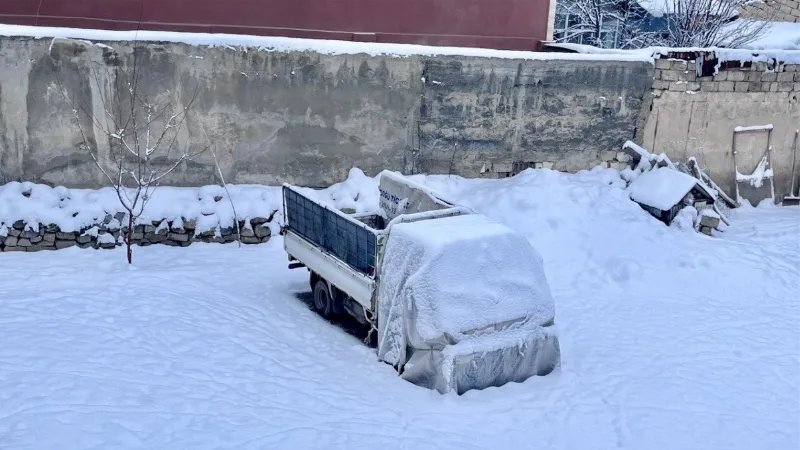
(129, 238)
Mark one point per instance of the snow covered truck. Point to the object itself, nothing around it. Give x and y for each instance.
(458, 301)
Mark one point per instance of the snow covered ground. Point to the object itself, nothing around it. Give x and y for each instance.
(670, 340)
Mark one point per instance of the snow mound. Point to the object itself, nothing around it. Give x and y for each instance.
(661, 188)
(211, 206)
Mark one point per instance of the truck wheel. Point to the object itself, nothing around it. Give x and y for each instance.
(322, 299)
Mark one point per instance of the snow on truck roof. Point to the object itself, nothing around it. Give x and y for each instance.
(450, 268)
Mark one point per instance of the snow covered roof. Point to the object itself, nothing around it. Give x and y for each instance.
(661, 188)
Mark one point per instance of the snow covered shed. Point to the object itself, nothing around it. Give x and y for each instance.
(663, 192)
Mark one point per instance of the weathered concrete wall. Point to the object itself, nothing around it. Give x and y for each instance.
(307, 118)
(506, 115)
(696, 116)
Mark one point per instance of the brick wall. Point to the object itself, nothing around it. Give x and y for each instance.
(681, 76)
(775, 10)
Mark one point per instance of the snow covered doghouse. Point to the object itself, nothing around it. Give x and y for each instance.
(663, 192)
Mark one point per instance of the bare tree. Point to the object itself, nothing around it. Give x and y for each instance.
(676, 23)
(140, 133)
(711, 23)
(623, 20)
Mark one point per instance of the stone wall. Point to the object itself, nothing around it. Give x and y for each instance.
(695, 115)
(773, 10)
(108, 234)
(307, 118)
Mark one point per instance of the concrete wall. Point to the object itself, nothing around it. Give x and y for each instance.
(307, 118)
(696, 116)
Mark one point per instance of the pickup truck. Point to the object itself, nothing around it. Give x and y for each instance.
(457, 301)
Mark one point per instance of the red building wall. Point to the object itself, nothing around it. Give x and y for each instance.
(507, 24)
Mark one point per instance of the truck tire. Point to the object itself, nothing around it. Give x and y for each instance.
(323, 303)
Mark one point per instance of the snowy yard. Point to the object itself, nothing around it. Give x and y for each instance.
(670, 340)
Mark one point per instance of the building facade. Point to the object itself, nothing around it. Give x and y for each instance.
(502, 24)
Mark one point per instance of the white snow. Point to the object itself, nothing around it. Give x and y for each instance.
(756, 179)
(779, 35)
(669, 340)
(210, 206)
(436, 274)
(661, 188)
(741, 129)
(285, 44)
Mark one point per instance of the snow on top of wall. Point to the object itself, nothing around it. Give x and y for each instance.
(788, 56)
(284, 44)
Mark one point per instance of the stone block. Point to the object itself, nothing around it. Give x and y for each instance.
(791, 68)
(678, 64)
(49, 237)
(19, 225)
(178, 237)
(186, 244)
(607, 155)
(670, 75)
(721, 76)
(769, 76)
(13, 249)
(24, 242)
(725, 86)
(660, 84)
(83, 239)
(40, 247)
(108, 245)
(692, 86)
(11, 241)
(28, 234)
(155, 238)
(2, 239)
(709, 221)
(761, 66)
(754, 76)
(251, 240)
(265, 239)
(785, 76)
(226, 231)
(262, 231)
(255, 221)
(36, 239)
(64, 244)
(247, 232)
(136, 236)
(785, 86)
(149, 229)
(162, 231)
(70, 235)
(663, 64)
(706, 230)
(547, 165)
(755, 86)
(678, 86)
(190, 224)
(14, 232)
(171, 243)
(742, 86)
(737, 75)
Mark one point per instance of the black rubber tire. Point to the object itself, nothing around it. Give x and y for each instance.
(323, 303)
